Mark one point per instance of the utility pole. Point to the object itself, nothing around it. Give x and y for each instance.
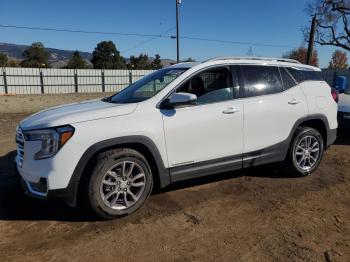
(178, 2)
(311, 41)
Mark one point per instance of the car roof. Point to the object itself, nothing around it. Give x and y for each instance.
(184, 65)
(250, 61)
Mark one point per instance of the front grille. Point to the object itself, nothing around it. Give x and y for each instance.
(20, 146)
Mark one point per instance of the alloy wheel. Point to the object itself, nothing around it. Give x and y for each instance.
(123, 185)
(307, 153)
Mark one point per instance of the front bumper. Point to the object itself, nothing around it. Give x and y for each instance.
(344, 119)
(51, 177)
(39, 189)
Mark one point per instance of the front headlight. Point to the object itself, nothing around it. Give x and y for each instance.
(51, 140)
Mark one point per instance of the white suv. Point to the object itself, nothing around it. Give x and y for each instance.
(183, 121)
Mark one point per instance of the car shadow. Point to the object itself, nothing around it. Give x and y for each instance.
(274, 171)
(15, 205)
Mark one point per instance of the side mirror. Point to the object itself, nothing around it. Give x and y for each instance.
(178, 99)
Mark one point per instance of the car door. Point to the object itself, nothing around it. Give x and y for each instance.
(271, 110)
(209, 132)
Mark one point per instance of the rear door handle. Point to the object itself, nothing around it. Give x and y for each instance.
(230, 110)
(293, 102)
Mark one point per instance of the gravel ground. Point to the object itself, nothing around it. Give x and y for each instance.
(258, 214)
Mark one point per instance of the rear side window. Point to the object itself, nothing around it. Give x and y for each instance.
(287, 79)
(305, 75)
(261, 80)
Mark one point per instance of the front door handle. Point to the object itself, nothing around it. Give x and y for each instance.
(230, 110)
(293, 102)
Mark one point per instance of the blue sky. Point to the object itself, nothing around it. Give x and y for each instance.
(276, 22)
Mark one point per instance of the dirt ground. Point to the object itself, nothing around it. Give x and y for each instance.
(258, 214)
(33, 103)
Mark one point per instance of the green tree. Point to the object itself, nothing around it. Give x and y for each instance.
(76, 62)
(106, 56)
(190, 60)
(157, 62)
(339, 60)
(143, 62)
(140, 62)
(132, 62)
(300, 54)
(3, 60)
(36, 56)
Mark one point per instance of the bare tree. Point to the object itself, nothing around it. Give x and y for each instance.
(333, 27)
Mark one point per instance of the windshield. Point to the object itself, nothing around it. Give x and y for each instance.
(146, 87)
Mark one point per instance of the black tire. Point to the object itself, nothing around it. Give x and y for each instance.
(105, 161)
(292, 163)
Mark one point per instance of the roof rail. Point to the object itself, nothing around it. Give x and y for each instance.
(254, 59)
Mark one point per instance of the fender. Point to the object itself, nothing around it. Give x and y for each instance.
(331, 134)
(69, 194)
(321, 117)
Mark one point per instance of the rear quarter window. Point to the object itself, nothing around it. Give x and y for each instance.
(287, 79)
(305, 75)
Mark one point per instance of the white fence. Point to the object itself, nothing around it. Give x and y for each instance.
(56, 81)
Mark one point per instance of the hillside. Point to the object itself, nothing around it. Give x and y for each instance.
(58, 57)
(16, 51)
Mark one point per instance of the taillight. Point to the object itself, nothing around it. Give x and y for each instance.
(335, 95)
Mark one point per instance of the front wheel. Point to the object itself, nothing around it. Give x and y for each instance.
(306, 151)
(120, 183)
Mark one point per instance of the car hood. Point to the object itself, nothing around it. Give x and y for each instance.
(74, 113)
(344, 103)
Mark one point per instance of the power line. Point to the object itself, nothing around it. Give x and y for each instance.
(147, 41)
(241, 43)
(235, 42)
(154, 36)
(81, 31)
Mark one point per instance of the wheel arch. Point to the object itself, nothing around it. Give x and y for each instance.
(142, 144)
(318, 122)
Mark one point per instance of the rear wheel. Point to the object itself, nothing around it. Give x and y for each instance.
(120, 183)
(306, 151)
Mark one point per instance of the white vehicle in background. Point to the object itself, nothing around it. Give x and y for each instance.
(344, 109)
(180, 122)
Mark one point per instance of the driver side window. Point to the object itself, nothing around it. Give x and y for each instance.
(210, 86)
